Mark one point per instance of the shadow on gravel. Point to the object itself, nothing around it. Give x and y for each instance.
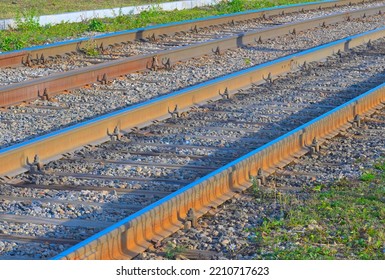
(120, 203)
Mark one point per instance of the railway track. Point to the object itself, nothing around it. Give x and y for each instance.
(20, 123)
(31, 83)
(218, 24)
(87, 190)
(234, 128)
(229, 231)
(189, 149)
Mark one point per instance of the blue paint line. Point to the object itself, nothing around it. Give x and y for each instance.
(142, 29)
(176, 93)
(212, 174)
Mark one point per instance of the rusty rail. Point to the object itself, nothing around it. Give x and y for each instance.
(56, 83)
(131, 235)
(13, 159)
(135, 233)
(15, 58)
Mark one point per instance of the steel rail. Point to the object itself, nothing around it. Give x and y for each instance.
(56, 83)
(14, 159)
(15, 58)
(131, 235)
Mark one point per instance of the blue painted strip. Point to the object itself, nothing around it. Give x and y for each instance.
(176, 93)
(210, 175)
(139, 30)
(214, 173)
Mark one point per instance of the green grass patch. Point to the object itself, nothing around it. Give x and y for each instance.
(29, 32)
(368, 176)
(11, 9)
(342, 221)
(173, 250)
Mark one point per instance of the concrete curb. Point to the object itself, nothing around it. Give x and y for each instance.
(87, 15)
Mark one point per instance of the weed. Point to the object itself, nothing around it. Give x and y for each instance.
(153, 11)
(236, 6)
(8, 9)
(91, 48)
(96, 25)
(29, 32)
(380, 165)
(317, 188)
(119, 18)
(28, 21)
(342, 183)
(12, 43)
(343, 221)
(256, 189)
(173, 250)
(27, 27)
(368, 176)
(247, 61)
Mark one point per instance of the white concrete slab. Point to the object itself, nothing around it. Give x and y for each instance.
(87, 15)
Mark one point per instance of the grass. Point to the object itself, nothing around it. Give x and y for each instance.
(29, 32)
(91, 48)
(342, 221)
(173, 250)
(11, 9)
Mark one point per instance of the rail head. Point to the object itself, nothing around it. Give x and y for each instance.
(128, 237)
(15, 58)
(13, 159)
(56, 83)
(207, 191)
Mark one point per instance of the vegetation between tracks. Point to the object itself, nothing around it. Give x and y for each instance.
(29, 32)
(342, 221)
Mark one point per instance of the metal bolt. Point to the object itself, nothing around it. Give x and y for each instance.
(369, 45)
(36, 165)
(225, 94)
(357, 121)
(192, 218)
(269, 79)
(42, 59)
(103, 80)
(43, 96)
(187, 225)
(217, 51)
(261, 177)
(152, 38)
(154, 64)
(116, 135)
(175, 113)
(166, 63)
(315, 145)
(27, 61)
